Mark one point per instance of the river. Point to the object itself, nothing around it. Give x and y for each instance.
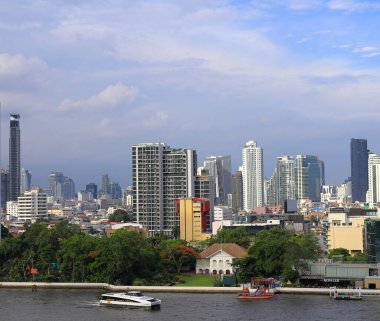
(82, 305)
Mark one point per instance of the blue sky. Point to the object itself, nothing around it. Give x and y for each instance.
(91, 78)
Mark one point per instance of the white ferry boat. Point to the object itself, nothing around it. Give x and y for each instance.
(132, 299)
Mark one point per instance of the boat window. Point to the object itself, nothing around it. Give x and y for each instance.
(135, 293)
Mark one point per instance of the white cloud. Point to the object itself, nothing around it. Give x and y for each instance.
(17, 67)
(113, 96)
(366, 49)
(155, 120)
(352, 5)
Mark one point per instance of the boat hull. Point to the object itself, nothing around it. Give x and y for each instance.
(254, 297)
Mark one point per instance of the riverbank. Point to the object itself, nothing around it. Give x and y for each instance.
(169, 289)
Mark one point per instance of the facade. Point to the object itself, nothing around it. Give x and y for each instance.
(237, 192)
(326, 273)
(192, 213)
(12, 209)
(219, 167)
(222, 213)
(284, 182)
(85, 196)
(128, 197)
(4, 178)
(161, 175)
(14, 157)
(115, 190)
(218, 258)
(253, 176)
(26, 180)
(309, 177)
(32, 206)
(373, 193)
(359, 169)
(105, 184)
(372, 234)
(92, 188)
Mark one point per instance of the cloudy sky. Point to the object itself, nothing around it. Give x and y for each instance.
(91, 78)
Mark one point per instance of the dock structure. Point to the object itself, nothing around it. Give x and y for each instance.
(173, 289)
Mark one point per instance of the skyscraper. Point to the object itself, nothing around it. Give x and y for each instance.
(253, 177)
(61, 187)
(26, 180)
(309, 177)
(359, 169)
(237, 192)
(14, 157)
(219, 167)
(373, 193)
(161, 175)
(93, 188)
(285, 185)
(105, 184)
(4, 187)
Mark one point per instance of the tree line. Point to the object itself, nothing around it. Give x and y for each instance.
(65, 254)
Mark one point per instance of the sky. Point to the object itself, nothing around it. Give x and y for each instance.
(91, 78)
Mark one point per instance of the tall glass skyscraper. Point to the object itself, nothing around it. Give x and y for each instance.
(359, 169)
(14, 157)
(309, 177)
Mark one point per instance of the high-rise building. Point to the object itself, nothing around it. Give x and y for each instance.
(4, 187)
(359, 169)
(192, 213)
(237, 192)
(61, 187)
(14, 157)
(115, 190)
(309, 177)
(105, 184)
(219, 167)
(161, 175)
(93, 188)
(205, 189)
(271, 189)
(26, 180)
(373, 193)
(285, 185)
(253, 177)
(32, 206)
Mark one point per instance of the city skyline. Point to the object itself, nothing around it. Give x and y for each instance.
(90, 80)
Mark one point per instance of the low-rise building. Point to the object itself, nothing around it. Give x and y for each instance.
(218, 258)
(127, 226)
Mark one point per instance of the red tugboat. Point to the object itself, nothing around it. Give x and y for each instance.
(259, 289)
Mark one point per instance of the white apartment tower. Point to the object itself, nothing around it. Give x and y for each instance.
(373, 193)
(253, 176)
(32, 206)
(161, 175)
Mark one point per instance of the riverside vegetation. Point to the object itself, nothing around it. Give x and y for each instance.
(64, 254)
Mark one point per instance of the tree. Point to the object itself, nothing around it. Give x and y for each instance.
(338, 252)
(278, 252)
(75, 255)
(120, 216)
(123, 257)
(175, 253)
(4, 232)
(235, 235)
